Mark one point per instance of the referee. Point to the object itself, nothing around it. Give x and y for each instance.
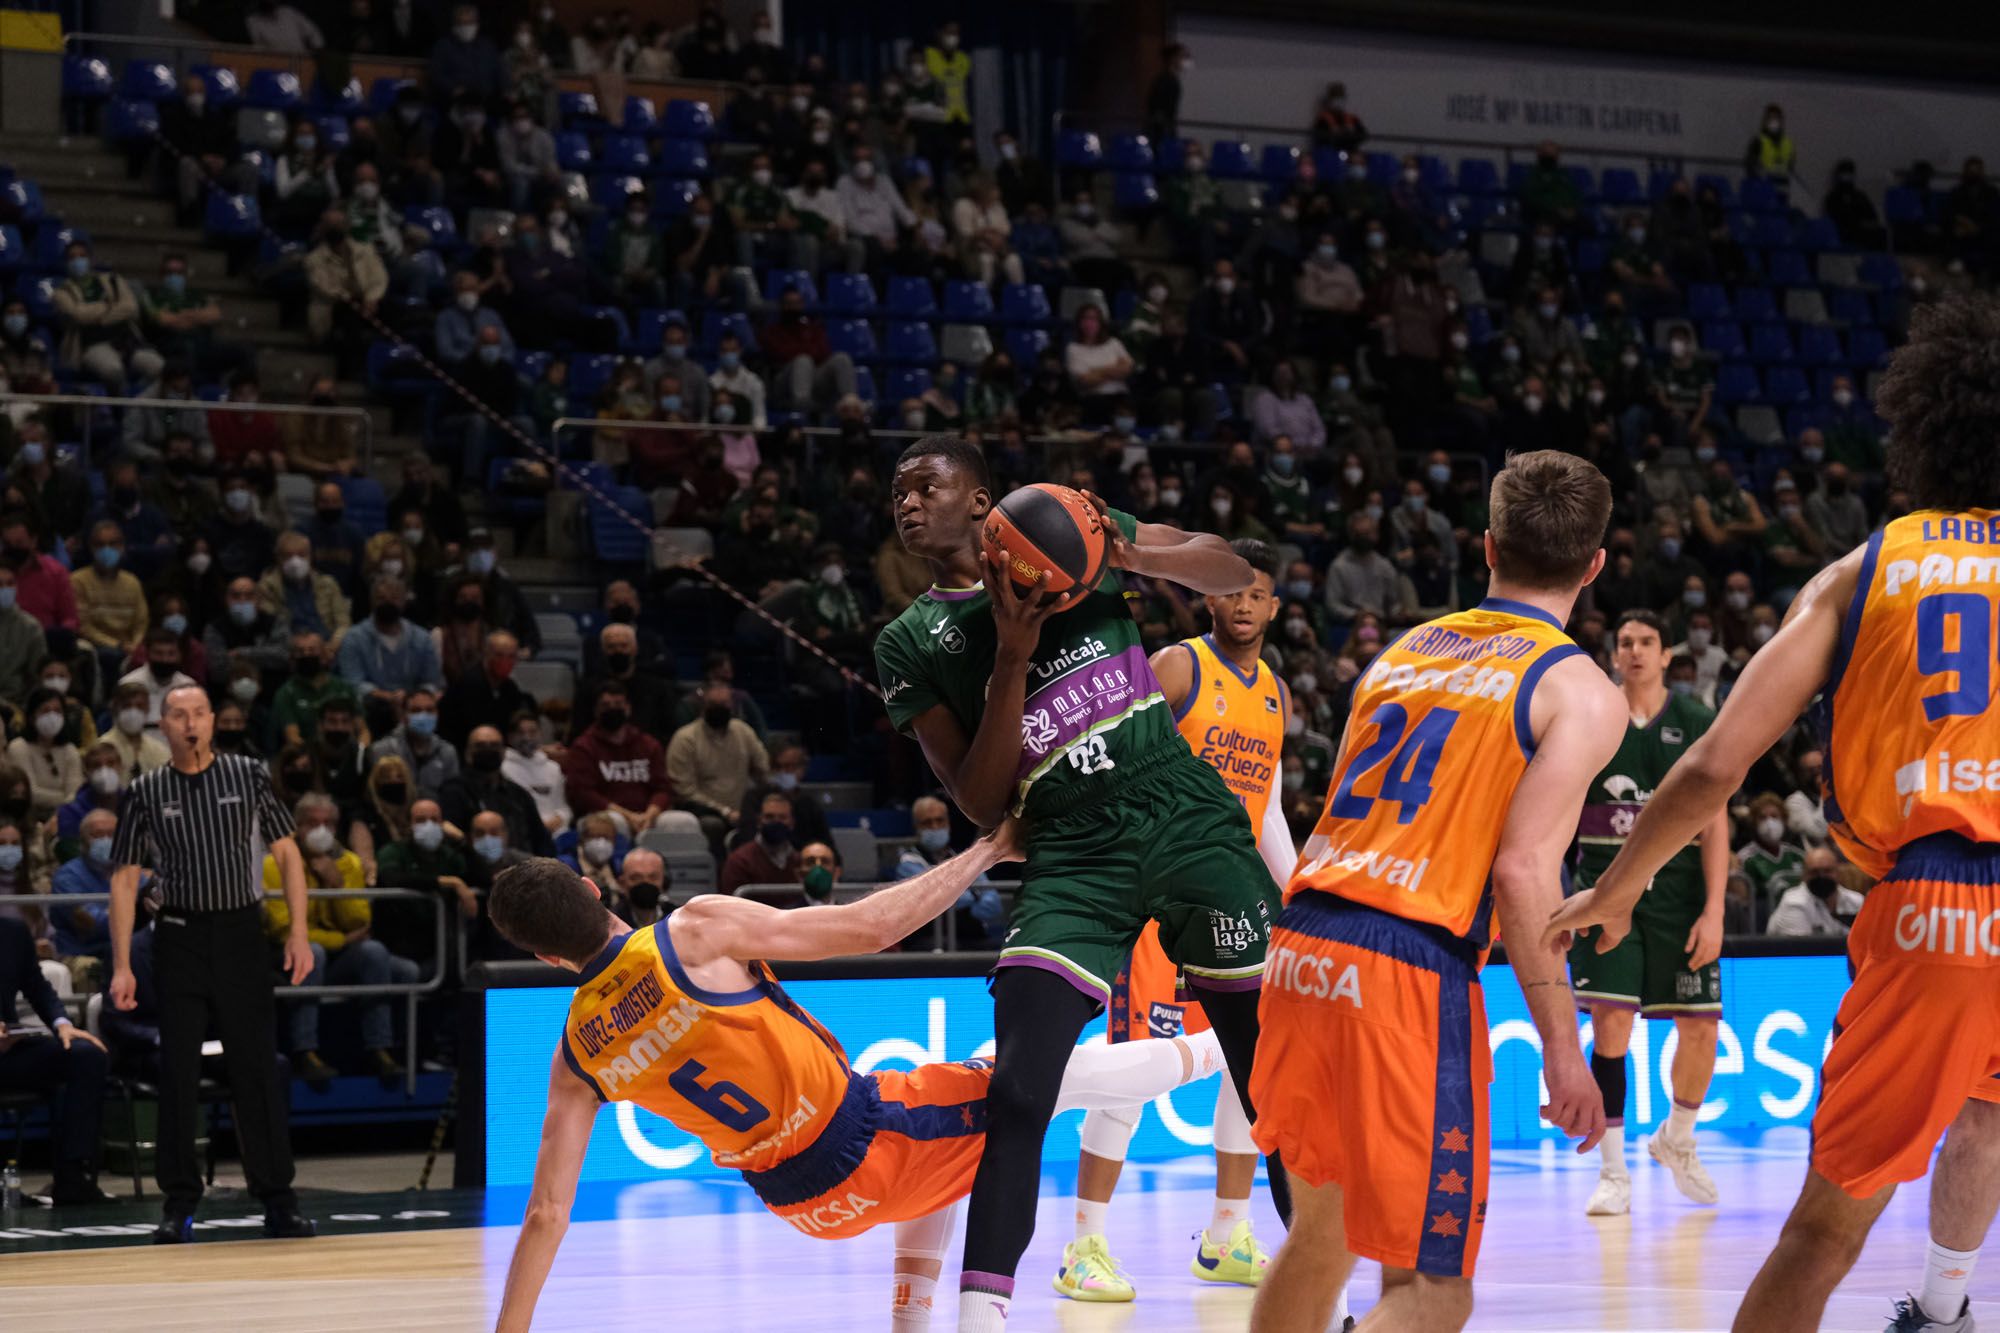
(196, 816)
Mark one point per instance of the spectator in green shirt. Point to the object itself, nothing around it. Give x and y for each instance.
(1770, 862)
(180, 322)
(296, 709)
(1548, 194)
(633, 259)
(1685, 386)
(767, 232)
(1635, 262)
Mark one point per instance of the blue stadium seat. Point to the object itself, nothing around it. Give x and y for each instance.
(904, 382)
(439, 223)
(1131, 152)
(231, 217)
(1818, 345)
(610, 191)
(274, 90)
(1280, 163)
(1230, 160)
(1432, 173)
(1591, 256)
(1621, 188)
(715, 323)
(911, 342)
(130, 120)
(1725, 192)
(1723, 338)
(220, 81)
(623, 155)
(588, 374)
(1770, 342)
(686, 158)
(50, 243)
(13, 250)
(1761, 196)
(652, 329)
(1848, 305)
(1707, 300)
(912, 298)
(1902, 204)
(1476, 175)
(1134, 191)
(672, 197)
(1755, 304)
(778, 279)
(86, 78)
(1823, 379)
(850, 294)
(1660, 183)
(864, 385)
(382, 93)
(613, 536)
(1170, 156)
(1025, 303)
(1772, 231)
(573, 151)
(854, 337)
(37, 291)
(334, 134)
(367, 506)
(1583, 179)
(147, 81)
(967, 302)
(1881, 271)
(340, 99)
(1787, 268)
(1786, 386)
(1383, 168)
(578, 111)
(1867, 347)
(1478, 324)
(26, 197)
(1025, 344)
(640, 116)
(1818, 235)
(1736, 382)
(688, 118)
(1078, 150)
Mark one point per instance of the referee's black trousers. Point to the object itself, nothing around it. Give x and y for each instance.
(215, 968)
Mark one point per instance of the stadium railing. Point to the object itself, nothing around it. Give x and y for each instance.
(452, 946)
(359, 415)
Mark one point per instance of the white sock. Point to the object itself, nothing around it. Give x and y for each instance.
(1340, 1311)
(1946, 1273)
(914, 1298)
(1612, 1146)
(982, 1312)
(1090, 1215)
(1228, 1212)
(1680, 1122)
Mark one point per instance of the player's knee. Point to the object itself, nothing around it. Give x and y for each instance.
(1015, 1097)
(1696, 1034)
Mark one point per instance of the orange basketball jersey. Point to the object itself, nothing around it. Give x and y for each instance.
(749, 1073)
(1235, 724)
(1438, 737)
(1912, 739)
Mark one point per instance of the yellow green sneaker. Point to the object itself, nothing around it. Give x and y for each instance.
(1089, 1273)
(1241, 1261)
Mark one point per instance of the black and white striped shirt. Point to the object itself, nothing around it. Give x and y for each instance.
(201, 832)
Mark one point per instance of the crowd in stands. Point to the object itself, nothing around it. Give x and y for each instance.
(1329, 350)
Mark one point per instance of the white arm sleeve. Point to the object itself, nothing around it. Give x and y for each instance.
(1274, 843)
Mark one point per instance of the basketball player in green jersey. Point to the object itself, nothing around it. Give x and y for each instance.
(1056, 716)
(1666, 968)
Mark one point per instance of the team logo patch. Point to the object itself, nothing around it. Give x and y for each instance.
(1164, 1020)
(1232, 935)
(952, 640)
(1270, 704)
(1221, 705)
(1670, 735)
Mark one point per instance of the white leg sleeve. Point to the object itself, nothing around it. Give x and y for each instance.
(1127, 1073)
(1232, 1127)
(1108, 1132)
(927, 1237)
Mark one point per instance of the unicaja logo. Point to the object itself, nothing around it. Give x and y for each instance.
(1086, 651)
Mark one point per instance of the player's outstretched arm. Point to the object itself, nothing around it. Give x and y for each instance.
(716, 926)
(1777, 685)
(1585, 719)
(1201, 561)
(565, 1135)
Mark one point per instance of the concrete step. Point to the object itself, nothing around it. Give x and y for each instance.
(288, 372)
(43, 159)
(98, 210)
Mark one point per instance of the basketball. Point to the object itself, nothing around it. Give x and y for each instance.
(1053, 528)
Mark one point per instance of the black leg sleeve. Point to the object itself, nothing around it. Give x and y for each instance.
(1233, 1015)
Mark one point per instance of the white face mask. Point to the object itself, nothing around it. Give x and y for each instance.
(427, 835)
(60, 684)
(49, 725)
(1352, 475)
(468, 301)
(1770, 829)
(131, 721)
(318, 839)
(1699, 639)
(597, 850)
(106, 781)
(297, 567)
(1222, 504)
(367, 191)
(1760, 634)
(465, 32)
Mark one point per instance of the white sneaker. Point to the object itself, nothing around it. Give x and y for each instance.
(1612, 1197)
(1912, 1318)
(1679, 1156)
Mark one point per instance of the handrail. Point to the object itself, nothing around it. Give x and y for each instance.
(410, 990)
(360, 414)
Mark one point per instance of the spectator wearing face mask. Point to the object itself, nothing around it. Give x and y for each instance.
(806, 373)
(23, 644)
(1793, 549)
(1836, 512)
(1773, 863)
(160, 671)
(140, 749)
(1361, 579)
(505, 607)
(431, 760)
(245, 631)
(1707, 655)
(1684, 387)
(465, 62)
(110, 603)
(457, 327)
(1635, 262)
(1329, 298)
(642, 884)
(480, 788)
(1284, 410)
(1771, 153)
(421, 859)
(613, 766)
(529, 765)
(47, 753)
(982, 912)
(310, 599)
(82, 934)
(1852, 432)
(346, 282)
(43, 588)
(1728, 521)
(712, 762)
(1414, 520)
(1820, 905)
(771, 856)
(599, 852)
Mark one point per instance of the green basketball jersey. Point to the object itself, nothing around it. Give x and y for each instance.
(1621, 791)
(1093, 703)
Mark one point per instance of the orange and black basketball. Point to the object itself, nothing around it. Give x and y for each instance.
(1053, 528)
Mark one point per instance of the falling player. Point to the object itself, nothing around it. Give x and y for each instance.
(1472, 743)
(684, 1019)
(1896, 640)
(1666, 968)
(1231, 710)
(1057, 715)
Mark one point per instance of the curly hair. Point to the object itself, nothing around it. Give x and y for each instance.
(1941, 397)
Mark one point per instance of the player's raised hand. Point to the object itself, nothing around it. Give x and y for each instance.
(1017, 616)
(1116, 548)
(1576, 1103)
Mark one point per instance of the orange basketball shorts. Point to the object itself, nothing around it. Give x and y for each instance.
(902, 1145)
(1372, 1072)
(1147, 999)
(1919, 1030)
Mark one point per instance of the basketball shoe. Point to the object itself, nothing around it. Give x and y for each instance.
(1678, 1156)
(1911, 1318)
(1089, 1273)
(1239, 1259)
